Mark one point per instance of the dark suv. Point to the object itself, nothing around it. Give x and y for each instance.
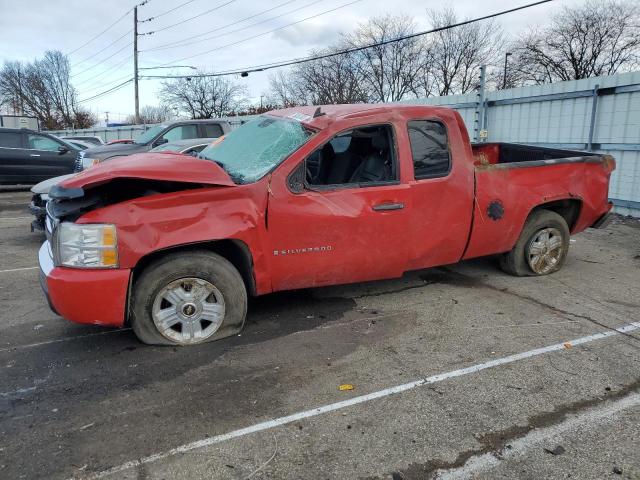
(28, 157)
(154, 136)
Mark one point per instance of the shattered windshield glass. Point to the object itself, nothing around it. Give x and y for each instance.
(249, 152)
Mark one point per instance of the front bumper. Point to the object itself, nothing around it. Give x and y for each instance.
(93, 296)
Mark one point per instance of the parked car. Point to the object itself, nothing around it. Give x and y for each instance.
(302, 198)
(121, 140)
(155, 136)
(40, 192)
(91, 139)
(29, 156)
(188, 147)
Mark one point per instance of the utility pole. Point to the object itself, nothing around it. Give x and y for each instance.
(504, 77)
(135, 65)
(479, 132)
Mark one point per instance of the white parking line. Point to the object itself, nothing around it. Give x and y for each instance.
(520, 446)
(66, 339)
(18, 269)
(14, 218)
(277, 422)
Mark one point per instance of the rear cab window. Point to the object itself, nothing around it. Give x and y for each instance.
(212, 130)
(10, 140)
(429, 148)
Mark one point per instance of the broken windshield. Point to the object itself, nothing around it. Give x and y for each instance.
(249, 152)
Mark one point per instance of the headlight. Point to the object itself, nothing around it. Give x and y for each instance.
(86, 246)
(89, 162)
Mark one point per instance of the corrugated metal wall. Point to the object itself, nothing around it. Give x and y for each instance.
(560, 115)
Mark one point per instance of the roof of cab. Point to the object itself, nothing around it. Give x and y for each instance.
(331, 113)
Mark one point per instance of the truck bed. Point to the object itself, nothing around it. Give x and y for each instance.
(512, 180)
(485, 154)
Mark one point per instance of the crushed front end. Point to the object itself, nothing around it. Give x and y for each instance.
(79, 271)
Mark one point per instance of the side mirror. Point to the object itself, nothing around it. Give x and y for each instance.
(62, 149)
(296, 178)
(160, 141)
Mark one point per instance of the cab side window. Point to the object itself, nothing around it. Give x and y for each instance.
(429, 148)
(181, 132)
(356, 157)
(39, 142)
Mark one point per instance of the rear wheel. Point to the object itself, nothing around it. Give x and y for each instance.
(188, 298)
(542, 247)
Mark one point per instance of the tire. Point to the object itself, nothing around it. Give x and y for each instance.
(524, 261)
(188, 298)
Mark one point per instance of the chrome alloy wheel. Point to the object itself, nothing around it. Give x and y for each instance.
(188, 310)
(545, 250)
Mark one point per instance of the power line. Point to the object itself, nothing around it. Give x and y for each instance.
(180, 43)
(101, 33)
(188, 19)
(100, 51)
(91, 91)
(102, 61)
(168, 11)
(111, 90)
(101, 74)
(266, 33)
(286, 63)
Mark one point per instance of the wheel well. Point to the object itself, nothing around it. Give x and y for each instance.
(569, 209)
(236, 251)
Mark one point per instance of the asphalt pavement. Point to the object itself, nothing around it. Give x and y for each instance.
(456, 372)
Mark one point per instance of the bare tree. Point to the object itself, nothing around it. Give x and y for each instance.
(152, 114)
(596, 38)
(393, 71)
(203, 97)
(458, 53)
(335, 79)
(43, 89)
(285, 90)
(386, 73)
(84, 119)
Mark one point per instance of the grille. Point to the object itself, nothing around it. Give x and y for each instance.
(50, 222)
(77, 166)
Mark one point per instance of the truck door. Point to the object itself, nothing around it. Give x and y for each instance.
(12, 157)
(442, 192)
(342, 215)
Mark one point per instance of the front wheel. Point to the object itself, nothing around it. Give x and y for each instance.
(188, 298)
(542, 247)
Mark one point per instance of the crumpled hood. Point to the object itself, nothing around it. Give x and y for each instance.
(152, 166)
(44, 186)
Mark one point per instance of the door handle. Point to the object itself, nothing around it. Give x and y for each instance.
(385, 207)
(34, 155)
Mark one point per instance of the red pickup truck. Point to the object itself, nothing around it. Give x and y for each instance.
(305, 197)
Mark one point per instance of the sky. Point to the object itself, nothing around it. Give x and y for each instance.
(29, 28)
